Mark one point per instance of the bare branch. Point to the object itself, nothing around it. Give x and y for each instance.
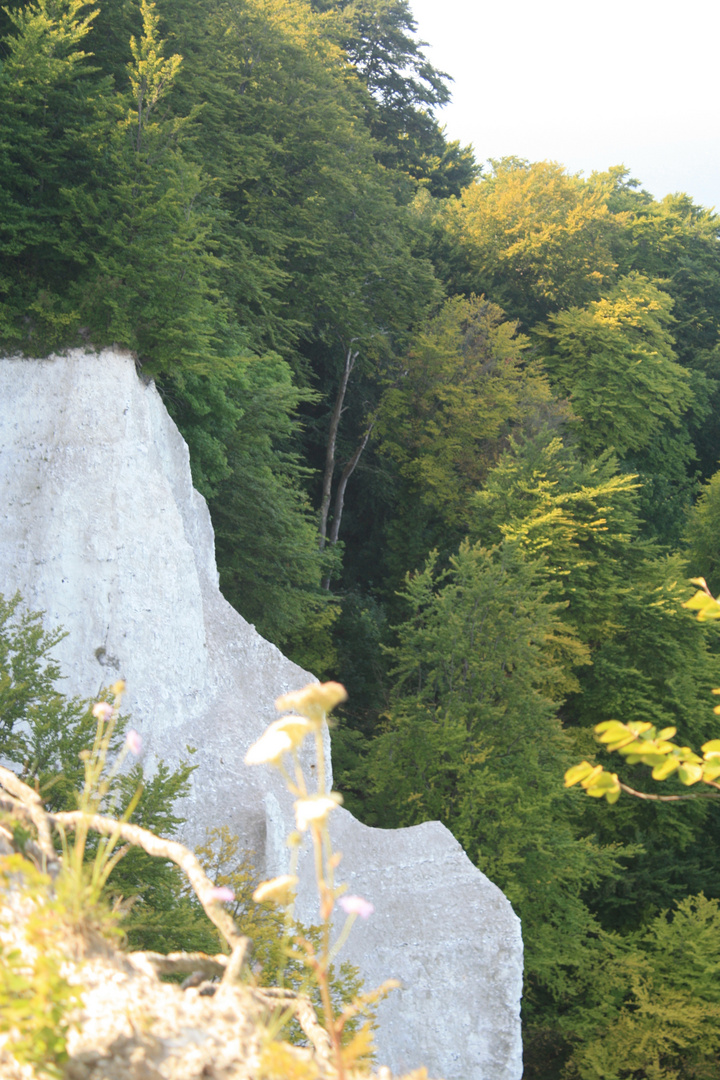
(670, 798)
(162, 849)
(305, 1014)
(236, 961)
(32, 801)
(181, 963)
(28, 803)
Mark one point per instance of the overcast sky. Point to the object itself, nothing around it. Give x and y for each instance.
(633, 82)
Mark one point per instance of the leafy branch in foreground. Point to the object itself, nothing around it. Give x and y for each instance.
(640, 742)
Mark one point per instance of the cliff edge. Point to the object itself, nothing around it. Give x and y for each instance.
(103, 531)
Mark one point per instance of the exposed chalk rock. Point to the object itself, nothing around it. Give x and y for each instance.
(101, 529)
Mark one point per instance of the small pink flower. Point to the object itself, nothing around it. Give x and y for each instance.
(356, 905)
(102, 711)
(221, 894)
(133, 741)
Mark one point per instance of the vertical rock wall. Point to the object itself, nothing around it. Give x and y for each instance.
(102, 529)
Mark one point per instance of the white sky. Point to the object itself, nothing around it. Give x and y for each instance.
(632, 82)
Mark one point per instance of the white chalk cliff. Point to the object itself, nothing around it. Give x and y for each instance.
(102, 529)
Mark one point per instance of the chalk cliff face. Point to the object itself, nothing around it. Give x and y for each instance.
(102, 529)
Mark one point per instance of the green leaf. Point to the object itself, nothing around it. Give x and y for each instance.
(690, 774)
(665, 769)
(653, 760)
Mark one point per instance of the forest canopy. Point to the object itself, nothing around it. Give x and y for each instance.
(458, 431)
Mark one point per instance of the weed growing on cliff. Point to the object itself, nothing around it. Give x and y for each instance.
(279, 748)
(35, 997)
(311, 997)
(81, 882)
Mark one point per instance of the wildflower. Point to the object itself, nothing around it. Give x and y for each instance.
(295, 727)
(315, 809)
(314, 700)
(279, 890)
(356, 905)
(118, 688)
(220, 894)
(101, 710)
(269, 748)
(133, 741)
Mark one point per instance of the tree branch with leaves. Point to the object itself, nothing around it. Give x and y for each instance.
(639, 742)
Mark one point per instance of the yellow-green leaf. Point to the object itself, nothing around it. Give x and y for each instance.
(639, 727)
(690, 774)
(592, 776)
(706, 606)
(578, 773)
(653, 760)
(661, 772)
(612, 731)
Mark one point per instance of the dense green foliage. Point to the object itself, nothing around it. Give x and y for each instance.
(498, 391)
(44, 735)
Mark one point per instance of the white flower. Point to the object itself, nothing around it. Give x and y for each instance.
(315, 809)
(269, 748)
(295, 727)
(314, 700)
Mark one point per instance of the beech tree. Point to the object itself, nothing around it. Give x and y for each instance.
(580, 517)
(676, 243)
(615, 362)
(531, 237)
(481, 662)
(151, 280)
(53, 104)
(380, 41)
(443, 419)
(702, 534)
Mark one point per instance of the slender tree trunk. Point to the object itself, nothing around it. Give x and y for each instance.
(350, 358)
(340, 493)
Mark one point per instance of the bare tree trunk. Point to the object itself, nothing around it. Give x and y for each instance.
(340, 493)
(350, 358)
